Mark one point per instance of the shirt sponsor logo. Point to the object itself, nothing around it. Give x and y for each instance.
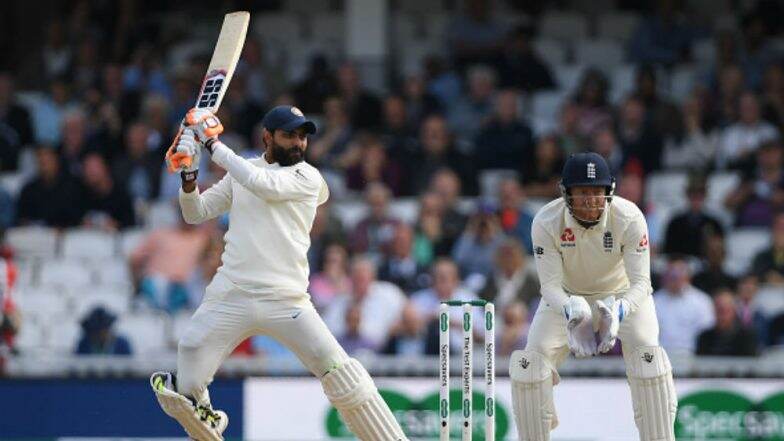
(567, 238)
(643, 244)
(539, 251)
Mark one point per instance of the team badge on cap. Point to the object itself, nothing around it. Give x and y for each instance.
(297, 112)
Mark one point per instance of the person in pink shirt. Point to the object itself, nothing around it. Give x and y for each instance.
(333, 279)
(165, 261)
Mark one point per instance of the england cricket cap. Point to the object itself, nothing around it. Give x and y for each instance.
(287, 118)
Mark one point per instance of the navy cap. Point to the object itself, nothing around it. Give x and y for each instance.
(287, 118)
(586, 169)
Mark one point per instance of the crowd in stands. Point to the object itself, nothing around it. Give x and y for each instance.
(88, 151)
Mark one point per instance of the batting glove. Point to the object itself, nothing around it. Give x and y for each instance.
(579, 327)
(611, 314)
(205, 125)
(179, 160)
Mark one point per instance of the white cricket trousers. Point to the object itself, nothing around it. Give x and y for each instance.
(547, 334)
(228, 315)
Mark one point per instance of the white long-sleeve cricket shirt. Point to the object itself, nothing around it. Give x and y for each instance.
(271, 211)
(611, 257)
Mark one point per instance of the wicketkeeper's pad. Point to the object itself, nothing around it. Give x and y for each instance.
(532, 395)
(653, 393)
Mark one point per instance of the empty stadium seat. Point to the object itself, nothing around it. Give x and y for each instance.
(32, 241)
(87, 300)
(568, 76)
(617, 25)
(742, 245)
(88, 244)
(719, 186)
(666, 188)
(563, 25)
(65, 273)
(30, 338)
(547, 105)
(62, 335)
(553, 52)
(114, 271)
(146, 332)
(42, 303)
(604, 54)
(130, 239)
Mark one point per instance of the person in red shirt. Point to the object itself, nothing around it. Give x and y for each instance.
(9, 315)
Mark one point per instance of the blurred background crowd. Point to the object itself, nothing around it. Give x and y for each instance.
(436, 169)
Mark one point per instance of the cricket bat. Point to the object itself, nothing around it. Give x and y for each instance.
(216, 81)
(224, 60)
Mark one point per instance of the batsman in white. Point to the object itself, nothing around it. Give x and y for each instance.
(592, 257)
(261, 286)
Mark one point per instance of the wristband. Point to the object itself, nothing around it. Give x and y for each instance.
(189, 176)
(210, 144)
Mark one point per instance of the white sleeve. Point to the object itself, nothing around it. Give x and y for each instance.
(549, 267)
(288, 183)
(637, 261)
(216, 200)
(708, 317)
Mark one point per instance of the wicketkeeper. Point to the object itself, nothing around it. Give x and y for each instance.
(261, 286)
(592, 256)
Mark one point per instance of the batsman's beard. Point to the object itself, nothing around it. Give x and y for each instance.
(286, 156)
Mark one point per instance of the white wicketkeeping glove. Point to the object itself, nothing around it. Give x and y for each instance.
(611, 313)
(579, 327)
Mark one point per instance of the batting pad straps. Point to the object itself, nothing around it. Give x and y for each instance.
(351, 390)
(653, 393)
(532, 395)
(184, 411)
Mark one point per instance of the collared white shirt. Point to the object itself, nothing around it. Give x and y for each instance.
(611, 257)
(381, 308)
(740, 138)
(682, 318)
(271, 211)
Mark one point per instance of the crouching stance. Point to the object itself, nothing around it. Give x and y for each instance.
(592, 257)
(261, 286)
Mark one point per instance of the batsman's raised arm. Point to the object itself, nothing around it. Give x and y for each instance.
(198, 207)
(300, 182)
(294, 183)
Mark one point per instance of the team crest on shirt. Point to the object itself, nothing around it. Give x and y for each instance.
(608, 241)
(567, 238)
